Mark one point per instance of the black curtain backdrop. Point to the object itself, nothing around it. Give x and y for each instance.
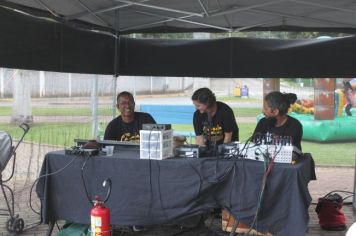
(30, 43)
(239, 58)
(34, 44)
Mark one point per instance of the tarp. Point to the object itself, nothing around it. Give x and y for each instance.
(40, 40)
(162, 16)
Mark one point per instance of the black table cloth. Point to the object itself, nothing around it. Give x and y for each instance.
(149, 192)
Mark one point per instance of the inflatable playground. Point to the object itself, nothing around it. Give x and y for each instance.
(324, 119)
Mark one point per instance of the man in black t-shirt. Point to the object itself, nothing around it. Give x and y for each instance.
(127, 126)
(214, 122)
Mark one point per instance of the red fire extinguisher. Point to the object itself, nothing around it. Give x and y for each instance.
(100, 215)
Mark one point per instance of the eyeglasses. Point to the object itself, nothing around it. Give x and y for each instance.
(128, 103)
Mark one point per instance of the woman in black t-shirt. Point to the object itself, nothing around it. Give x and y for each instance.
(214, 122)
(276, 120)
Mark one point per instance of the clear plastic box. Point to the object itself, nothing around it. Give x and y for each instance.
(157, 145)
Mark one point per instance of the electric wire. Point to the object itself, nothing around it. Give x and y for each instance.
(351, 194)
(159, 191)
(46, 175)
(264, 181)
(150, 170)
(83, 180)
(340, 191)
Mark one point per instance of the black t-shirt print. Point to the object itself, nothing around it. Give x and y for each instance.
(121, 131)
(292, 128)
(214, 128)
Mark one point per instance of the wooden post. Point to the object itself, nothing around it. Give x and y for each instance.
(270, 85)
(324, 99)
(21, 109)
(2, 82)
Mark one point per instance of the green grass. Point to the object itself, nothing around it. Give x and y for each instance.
(237, 99)
(334, 154)
(63, 134)
(55, 134)
(246, 111)
(39, 111)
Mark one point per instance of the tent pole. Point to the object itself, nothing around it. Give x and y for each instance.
(94, 106)
(113, 92)
(115, 66)
(114, 78)
(1, 82)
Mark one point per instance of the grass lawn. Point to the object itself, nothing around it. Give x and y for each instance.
(237, 99)
(334, 154)
(63, 134)
(71, 111)
(246, 111)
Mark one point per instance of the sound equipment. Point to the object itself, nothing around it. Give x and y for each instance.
(187, 151)
(229, 149)
(117, 144)
(156, 127)
(79, 151)
(280, 153)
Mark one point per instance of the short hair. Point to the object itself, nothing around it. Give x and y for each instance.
(280, 101)
(125, 93)
(204, 96)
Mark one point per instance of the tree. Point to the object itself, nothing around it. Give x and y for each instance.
(22, 110)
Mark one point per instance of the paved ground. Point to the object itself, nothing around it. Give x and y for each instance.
(30, 158)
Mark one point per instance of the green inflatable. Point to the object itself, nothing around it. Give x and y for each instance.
(340, 129)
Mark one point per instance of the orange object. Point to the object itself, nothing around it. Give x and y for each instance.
(307, 103)
(228, 221)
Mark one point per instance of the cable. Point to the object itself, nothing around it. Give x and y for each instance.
(240, 154)
(264, 181)
(340, 191)
(150, 169)
(46, 175)
(159, 192)
(83, 180)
